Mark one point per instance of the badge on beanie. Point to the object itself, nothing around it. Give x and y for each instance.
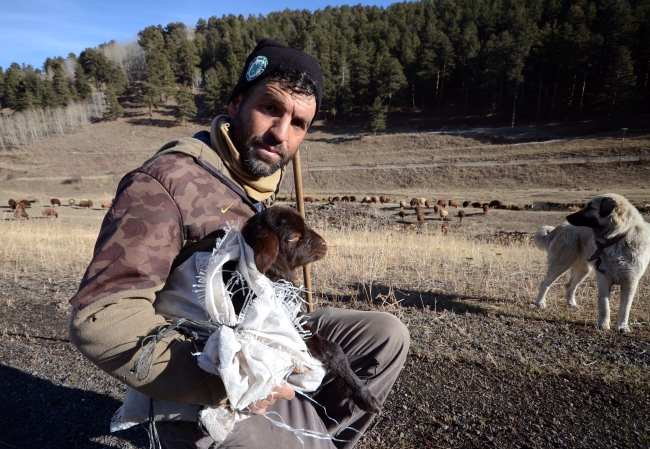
(256, 67)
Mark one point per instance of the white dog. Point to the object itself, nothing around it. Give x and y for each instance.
(609, 234)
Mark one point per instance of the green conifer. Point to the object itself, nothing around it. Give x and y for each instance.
(378, 115)
(113, 108)
(186, 108)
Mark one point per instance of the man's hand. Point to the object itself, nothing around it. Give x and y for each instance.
(283, 391)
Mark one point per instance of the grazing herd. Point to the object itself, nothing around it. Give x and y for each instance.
(418, 206)
(19, 207)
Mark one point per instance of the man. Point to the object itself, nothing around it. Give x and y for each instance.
(190, 189)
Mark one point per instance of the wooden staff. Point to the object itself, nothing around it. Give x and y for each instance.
(297, 180)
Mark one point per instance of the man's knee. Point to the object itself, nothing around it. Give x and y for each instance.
(395, 333)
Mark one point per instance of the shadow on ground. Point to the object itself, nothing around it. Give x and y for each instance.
(66, 417)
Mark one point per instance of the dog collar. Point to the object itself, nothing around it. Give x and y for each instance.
(601, 246)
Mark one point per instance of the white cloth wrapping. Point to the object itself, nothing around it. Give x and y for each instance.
(252, 352)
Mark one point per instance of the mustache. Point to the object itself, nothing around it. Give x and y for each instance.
(267, 140)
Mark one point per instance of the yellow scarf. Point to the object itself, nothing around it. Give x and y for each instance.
(258, 188)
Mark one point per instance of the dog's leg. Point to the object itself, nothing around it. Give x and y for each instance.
(579, 272)
(555, 270)
(628, 290)
(604, 293)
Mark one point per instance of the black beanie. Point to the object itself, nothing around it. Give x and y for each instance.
(270, 56)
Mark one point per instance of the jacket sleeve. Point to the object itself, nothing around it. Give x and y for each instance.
(138, 241)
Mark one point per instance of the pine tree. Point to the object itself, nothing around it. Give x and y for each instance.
(186, 108)
(2, 88)
(60, 85)
(13, 77)
(81, 84)
(150, 96)
(378, 116)
(113, 108)
(212, 96)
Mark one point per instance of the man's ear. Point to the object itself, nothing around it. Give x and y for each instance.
(234, 104)
(607, 205)
(265, 245)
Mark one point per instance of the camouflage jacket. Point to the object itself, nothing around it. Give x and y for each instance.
(179, 196)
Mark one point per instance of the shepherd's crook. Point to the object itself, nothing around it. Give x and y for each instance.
(297, 180)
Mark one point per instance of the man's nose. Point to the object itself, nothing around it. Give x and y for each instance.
(280, 128)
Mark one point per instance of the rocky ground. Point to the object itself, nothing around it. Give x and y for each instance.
(472, 379)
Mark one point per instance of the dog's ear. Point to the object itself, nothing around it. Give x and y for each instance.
(607, 205)
(265, 245)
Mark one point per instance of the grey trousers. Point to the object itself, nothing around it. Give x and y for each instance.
(376, 345)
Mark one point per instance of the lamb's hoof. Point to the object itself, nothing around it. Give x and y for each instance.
(624, 329)
(603, 327)
(573, 306)
(539, 305)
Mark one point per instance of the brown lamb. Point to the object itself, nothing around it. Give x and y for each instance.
(21, 213)
(282, 242)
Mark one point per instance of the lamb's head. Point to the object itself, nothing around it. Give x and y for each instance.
(282, 242)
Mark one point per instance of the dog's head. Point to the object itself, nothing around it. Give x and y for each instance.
(604, 214)
(282, 242)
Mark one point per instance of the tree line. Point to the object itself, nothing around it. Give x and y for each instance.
(543, 60)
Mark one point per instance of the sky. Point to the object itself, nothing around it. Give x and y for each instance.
(33, 30)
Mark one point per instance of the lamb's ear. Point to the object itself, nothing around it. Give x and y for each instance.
(265, 245)
(607, 205)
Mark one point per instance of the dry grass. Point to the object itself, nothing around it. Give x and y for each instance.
(390, 269)
(47, 246)
(429, 269)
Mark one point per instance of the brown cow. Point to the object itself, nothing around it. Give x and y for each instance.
(461, 215)
(12, 203)
(445, 227)
(383, 199)
(442, 203)
(477, 205)
(515, 207)
(353, 198)
(414, 202)
(427, 203)
(308, 199)
(486, 208)
(437, 208)
(106, 205)
(453, 203)
(465, 203)
(345, 199)
(55, 202)
(420, 217)
(50, 213)
(494, 204)
(418, 209)
(402, 214)
(86, 203)
(503, 207)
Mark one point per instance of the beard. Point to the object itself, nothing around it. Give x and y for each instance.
(248, 146)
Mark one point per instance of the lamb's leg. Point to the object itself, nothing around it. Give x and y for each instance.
(579, 273)
(335, 362)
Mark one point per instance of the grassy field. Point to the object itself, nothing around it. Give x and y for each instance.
(485, 369)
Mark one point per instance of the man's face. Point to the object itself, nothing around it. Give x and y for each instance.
(269, 126)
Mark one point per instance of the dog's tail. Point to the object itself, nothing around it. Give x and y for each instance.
(542, 238)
